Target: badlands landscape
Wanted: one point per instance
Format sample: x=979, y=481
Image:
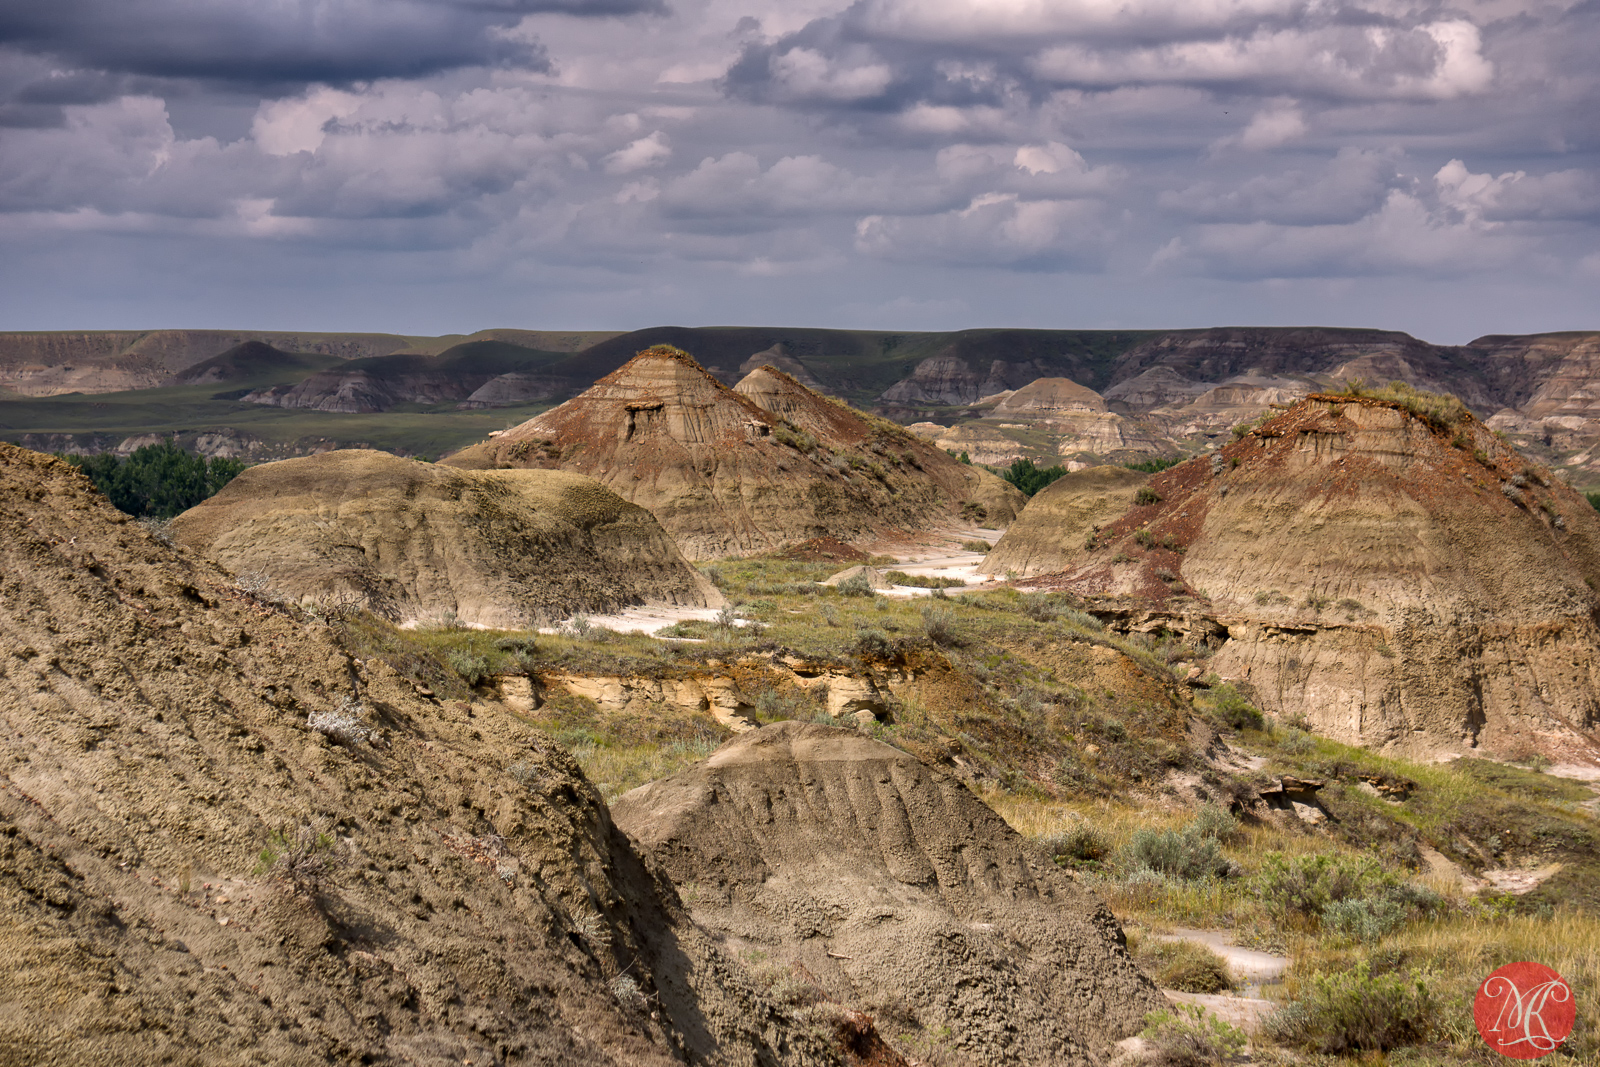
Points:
x=712, y=696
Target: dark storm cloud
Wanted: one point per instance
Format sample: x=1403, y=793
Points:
x=888, y=55
x=284, y=43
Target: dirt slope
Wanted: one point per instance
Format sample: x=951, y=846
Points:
x=723, y=475
x=888, y=884
x=409, y=539
x=1059, y=518
x=841, y=426
x=1401, y=585
x=154, y=734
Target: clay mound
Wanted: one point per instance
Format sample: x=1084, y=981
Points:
x=780, y=394
x=476, y=902
x=823, y=550
x=991, y=499
x=1052, y=529
x=1050, y=398
x=723, y=475
x=407, y=539
x=891, y=887
x=1403, y=579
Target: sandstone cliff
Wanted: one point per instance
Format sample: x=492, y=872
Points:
x=887, y=880
x=724, y=475
x=1402, y=583
x=193, y=872
x=411, y=540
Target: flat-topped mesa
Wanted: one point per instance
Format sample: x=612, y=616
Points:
x=1383, y=565
x=412, y=540
x=724, y=475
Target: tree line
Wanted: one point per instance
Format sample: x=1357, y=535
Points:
x=157, y=481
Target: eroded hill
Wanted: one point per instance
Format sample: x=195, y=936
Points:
x=202, y=867
x=724, y=475
x=409, y=540
x=890, y=882
x=1384, y=567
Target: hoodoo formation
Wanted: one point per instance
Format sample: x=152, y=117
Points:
x=194, y=871
x=724, y=475
x=409, y=540
x=889, y=880
x=1384, y=566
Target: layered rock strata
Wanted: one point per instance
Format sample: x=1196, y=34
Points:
x=725, y=475
x=1403, y=582
x=414, y=540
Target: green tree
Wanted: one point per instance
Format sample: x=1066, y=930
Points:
x=1030, y=479
x=158, y=481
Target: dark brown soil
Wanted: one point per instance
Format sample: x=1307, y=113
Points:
x=823, y=550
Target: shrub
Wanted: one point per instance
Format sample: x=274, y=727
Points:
x=1230, y=706
x=977, y=546
x=1154, y=466
x=1143, y=538
x=1082, y=843
x=786, y=433
x=939, y=624
x=871, y=643
x=1186, y=966
x=855, y=585
x=1306, y=885
x=1214, y=822
x=158, y=480
x=305, y=857
x=472, y=667
x=342, y=727
x=1296, y=742
x=1189, y=1036
x=1511, y=493
x=1365, y=918
x=1146, y=496
x=1185, y=855
x=1354, y=1011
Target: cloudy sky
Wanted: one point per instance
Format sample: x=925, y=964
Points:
x=431, y=166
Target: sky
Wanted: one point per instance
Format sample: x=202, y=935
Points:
x=444, y=166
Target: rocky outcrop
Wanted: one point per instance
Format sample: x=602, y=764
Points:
x=413, y=540
x=894, y=889
x=197, y=857
x=1402, y=583
x=1061, y=518
x=724, y=475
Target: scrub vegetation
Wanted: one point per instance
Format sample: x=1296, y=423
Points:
x=1085, y=741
